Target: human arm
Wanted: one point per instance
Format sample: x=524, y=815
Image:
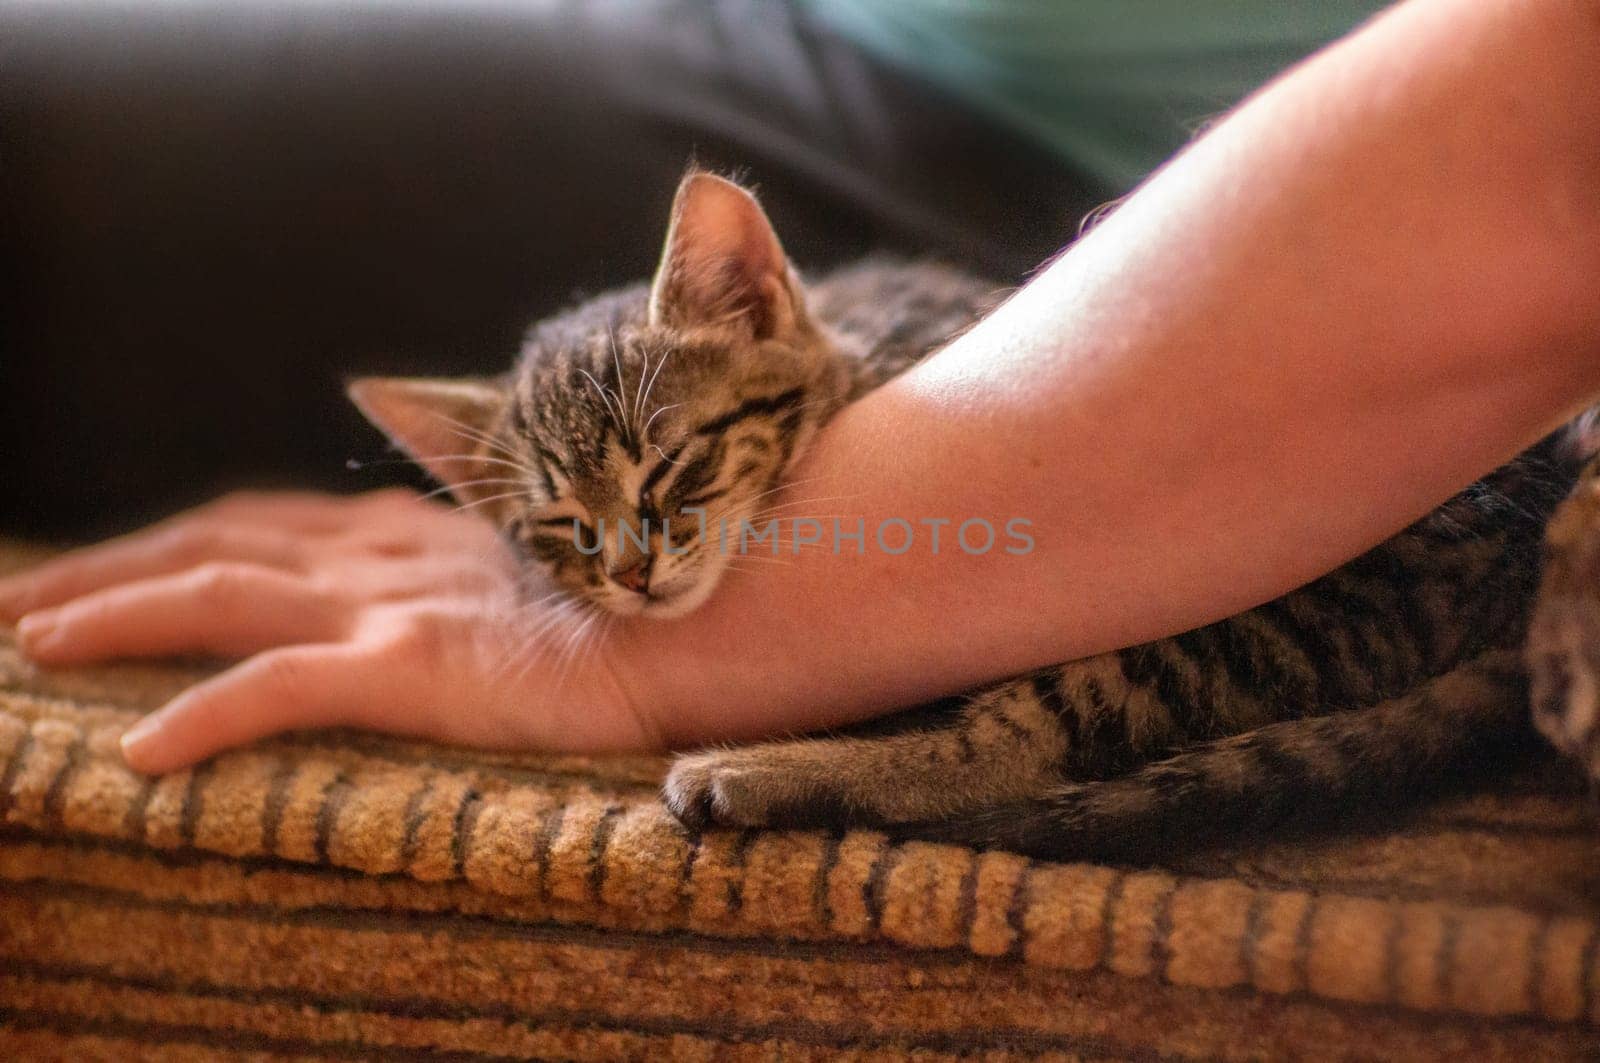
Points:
x=1367, y=286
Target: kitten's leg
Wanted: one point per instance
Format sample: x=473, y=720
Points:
x=1563, y=653
x=1004, y=744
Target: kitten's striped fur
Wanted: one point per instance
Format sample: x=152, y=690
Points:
x=1365, y=684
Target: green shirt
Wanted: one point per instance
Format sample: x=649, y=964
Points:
x=1113, y=87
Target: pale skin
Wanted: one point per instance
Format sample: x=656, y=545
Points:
x=1369, y=285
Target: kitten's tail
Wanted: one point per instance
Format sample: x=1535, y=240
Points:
x=1293, y=773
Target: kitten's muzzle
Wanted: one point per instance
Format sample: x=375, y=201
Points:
x=633, y=574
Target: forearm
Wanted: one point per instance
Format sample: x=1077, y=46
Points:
x=1366, y=287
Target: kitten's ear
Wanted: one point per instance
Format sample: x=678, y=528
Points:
x=435, y=421
x=723, y=265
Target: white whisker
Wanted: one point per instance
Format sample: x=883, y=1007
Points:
x=476, y=435
x=518, y=466
x=638, y=388
x=803, y=502
x=447, y=488
x=613, y=412
x=664, y=457
x=473, y=435
x=485, y=501
x=621, y=391
x=651, y=386
x=659, y=411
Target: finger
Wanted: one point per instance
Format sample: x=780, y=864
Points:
x=305, y=511
x=157, y=551
x=280, y=690
x=264, y=527
x=223, y=609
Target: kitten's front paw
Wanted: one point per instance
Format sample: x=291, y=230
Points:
x=753, y=787
x=690, y=791
x=1565, y=688
x=832, y=783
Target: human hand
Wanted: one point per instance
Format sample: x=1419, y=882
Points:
x=379, y=611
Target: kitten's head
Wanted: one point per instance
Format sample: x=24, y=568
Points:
x=659, y=415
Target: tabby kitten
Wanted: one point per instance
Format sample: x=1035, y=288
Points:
x=650, y=412
x=652, y=408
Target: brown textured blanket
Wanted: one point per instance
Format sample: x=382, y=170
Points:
x=337, y=896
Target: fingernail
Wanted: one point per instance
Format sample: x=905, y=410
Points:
x=37, y=631
x=137, y=738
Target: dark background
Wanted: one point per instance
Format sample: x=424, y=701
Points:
x=210, y=216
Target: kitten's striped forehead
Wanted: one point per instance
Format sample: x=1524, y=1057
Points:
x=630, y=393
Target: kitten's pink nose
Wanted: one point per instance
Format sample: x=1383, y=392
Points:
x=634, y=575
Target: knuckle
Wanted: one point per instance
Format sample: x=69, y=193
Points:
x=391, y=496
x=282, y=675
x=206, y=715
x=83, y=616
x=192, y=541
x=292, y=556
x=222, y=585
x=426, y=636
x=423, y=636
